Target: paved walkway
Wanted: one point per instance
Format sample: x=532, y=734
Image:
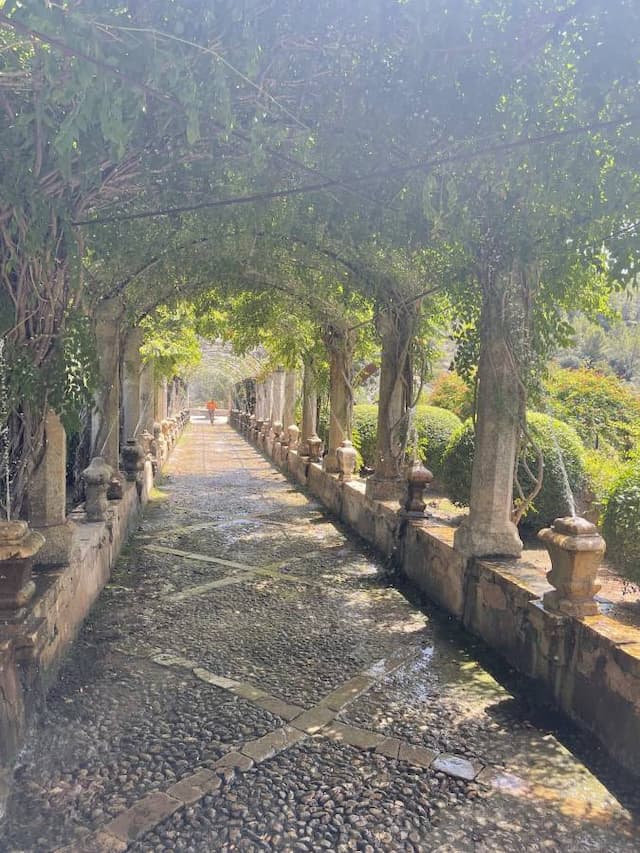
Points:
x=251, y=680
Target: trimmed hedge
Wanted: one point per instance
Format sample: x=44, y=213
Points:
x=434, y=427
x=562, y=450
x=621, y=524
x=451, y=392
x=365, y=430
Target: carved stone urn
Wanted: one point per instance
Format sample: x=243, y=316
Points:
x=418, y=478
x=314, y=443
x=97, y=479
x=576, y=550
x=294, y=436
x=18, y=547
x=132, y=458
x=347, y=459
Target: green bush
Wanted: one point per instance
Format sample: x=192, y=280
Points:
x=562, y=450
x=601, y=408
x=434, y=427
x=451, y=392
x=365, y=430
x=621, y=524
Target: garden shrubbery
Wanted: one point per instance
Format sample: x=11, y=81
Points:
x=365, y=430
x=562, y=450
x=451, y=392
x=434, y=427
x=621, y=523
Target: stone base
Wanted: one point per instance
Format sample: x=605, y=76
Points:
x=58, y=541
x=472, y=539
x=579, y=608
x=385, y=489
x=330, y=463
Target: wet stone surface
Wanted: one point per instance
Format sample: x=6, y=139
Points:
x=306, y=614
x=115, y=729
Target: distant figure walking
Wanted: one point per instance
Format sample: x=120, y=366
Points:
x=211, y=408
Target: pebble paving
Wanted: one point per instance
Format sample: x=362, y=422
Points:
x=253, y=678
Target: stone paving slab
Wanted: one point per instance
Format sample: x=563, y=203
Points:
x=268, y=745
x=142, y=817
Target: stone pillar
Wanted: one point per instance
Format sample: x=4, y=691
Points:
x=131, y=369
x=146, y=398
x=289, y=403
x=277, y=401
x=48, y=497
x=268, y=397
x=488, y=529
x=309, y=404
x=340, y=346
x=396, y=386
x=160, y=405
x=105, y=420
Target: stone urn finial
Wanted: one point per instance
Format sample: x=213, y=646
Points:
x=294, y=435
x=314, y=443
x=132, y=458
x=576, y=550
x=97, y=479
x=418, y=478
x=347, y=458
x=277, y=429
x=18, y=547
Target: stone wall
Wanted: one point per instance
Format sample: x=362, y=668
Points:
x=32, y=650
x=590, y=666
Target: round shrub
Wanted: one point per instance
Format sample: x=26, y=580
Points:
x=621, y=524
x=451, y=392
x=434, y=427
x=365, y=430
x=562, y=450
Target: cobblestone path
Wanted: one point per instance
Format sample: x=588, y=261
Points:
x=252, y=680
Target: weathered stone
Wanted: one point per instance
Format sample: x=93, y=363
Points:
x=457, y=766
x=418, y=755
x=347, y=692
x=281, y=709
x=390, y=747
x=18, y=547
x=192, y=788
x=232, y=762
x=248, y=691
x=360, y=738
x=96, y=842
x=216, y=680
x=143, y=816
x=97, y=477
x=272, y=743
x=313, y=720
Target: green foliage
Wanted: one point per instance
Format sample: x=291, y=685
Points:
x=434, y=427
x=170, y=341
x=451, y=392
x=562, y=450
x=621, y=523
x=365, y=429
x=602, y=469
x=76, y=362
x=601, y=408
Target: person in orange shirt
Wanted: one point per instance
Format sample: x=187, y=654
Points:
x=211, y=408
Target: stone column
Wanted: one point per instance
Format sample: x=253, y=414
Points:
x=277, y=401
x=160, y=405
x=289, y=403
x=268, y=397
x=309, y=403
x=105, y=420
x=396, y=331
x=146, y=397
x=48, y=497
x=488, y=529
x=340, y=346
x=131, y=369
